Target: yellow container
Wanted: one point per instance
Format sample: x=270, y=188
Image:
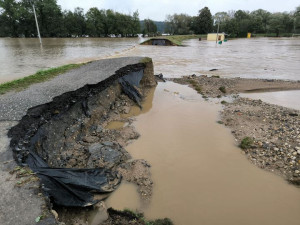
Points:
x=249, y=35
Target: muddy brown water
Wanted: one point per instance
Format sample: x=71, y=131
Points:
x=272, y=58
x=289, y=99
x=20, y=57
x=200, y=175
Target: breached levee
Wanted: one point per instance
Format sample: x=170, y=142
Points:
x=63, y=141
x=159, y=41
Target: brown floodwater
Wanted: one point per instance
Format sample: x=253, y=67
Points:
x=24, y=56
x=272, y=58
x=200, y=175
x=289, y=99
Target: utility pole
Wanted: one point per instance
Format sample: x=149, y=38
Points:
x=37, y=24
x=217, y=32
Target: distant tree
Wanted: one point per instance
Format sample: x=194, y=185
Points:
x=297, y=20
x=50, y=18
x=149, y=27
x=263, y=16
x=204, y=21
x=281, y=23
x=74, y=23
x=95, y=22
x=179, y=24
x=9, y=18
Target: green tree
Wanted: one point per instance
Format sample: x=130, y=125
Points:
x=9, y=18
x=297, y=20
x=281, y=23
x=149, y=28
x=204, y=21
x=179, y=24
x=50, y=18
x=95, y=22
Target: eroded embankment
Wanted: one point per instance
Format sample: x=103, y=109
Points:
x=159, y=41
x=70, y=132
x=269, y=134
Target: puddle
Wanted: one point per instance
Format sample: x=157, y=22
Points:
x=118, y=200
x=115, y=125
x=289, y=99
x=200, y=176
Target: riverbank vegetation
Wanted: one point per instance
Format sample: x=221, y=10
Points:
x=236, y=23
x=38, y=77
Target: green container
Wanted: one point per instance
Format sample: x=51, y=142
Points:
x=220, y=42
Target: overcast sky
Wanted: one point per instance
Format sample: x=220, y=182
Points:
x=158, y=9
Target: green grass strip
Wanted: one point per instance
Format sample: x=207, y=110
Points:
x=178, y=39
x=40, y=76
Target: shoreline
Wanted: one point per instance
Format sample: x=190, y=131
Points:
x=268, y=134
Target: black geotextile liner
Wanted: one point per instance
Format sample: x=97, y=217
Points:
x=129, y=84
x=73, y=187
x=67, y=186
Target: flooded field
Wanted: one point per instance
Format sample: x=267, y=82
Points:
x=200, y=175
x=255, y=58
x=21, y=57
x=247, y=58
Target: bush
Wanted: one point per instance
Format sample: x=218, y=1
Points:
x=246, y=143
x=222, y=89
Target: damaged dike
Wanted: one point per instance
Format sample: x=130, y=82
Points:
x=65, y=142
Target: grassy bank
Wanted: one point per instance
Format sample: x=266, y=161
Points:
x=38, y=77
x=178, y=39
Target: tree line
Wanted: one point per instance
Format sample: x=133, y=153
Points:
x=235, y=23
x=17, y=20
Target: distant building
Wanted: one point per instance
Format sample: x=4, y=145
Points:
x=213, y=37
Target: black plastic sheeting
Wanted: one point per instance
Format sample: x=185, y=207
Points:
x=70, y=187
x=130, y=83
x=73, y=187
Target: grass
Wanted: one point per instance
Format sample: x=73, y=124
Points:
x=222, y=89
x=140, y=216
x=178, y=39
x=196, y=86
x=246, y=143
x=40, y=76
x=146, y=60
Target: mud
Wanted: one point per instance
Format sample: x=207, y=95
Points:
x=210, y=86
x=273, y=130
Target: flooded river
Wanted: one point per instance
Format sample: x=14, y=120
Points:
x=21, y=57
x=200, y=175
x=256, y=58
